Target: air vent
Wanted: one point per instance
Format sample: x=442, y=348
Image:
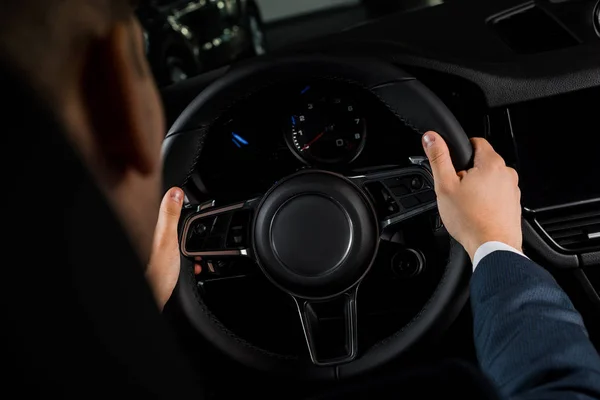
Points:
x=573, y=228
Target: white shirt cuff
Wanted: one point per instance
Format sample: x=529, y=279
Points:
x=490, y=247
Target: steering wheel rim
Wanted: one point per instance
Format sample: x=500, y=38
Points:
x=412, y=103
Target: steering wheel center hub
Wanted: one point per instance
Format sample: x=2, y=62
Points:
x=311, y=235
x=315, y=234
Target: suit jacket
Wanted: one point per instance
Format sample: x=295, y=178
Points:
x=530, y=340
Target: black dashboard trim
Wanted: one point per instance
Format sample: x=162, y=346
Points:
x=534, y=242
x=588, y=288
x=583, y=258
x=590, y=259
x=503, y=84
x=566, y=205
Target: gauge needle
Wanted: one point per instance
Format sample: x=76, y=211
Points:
x=307, y=145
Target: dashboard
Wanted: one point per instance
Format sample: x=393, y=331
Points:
x=278, y=130
x=535, y=105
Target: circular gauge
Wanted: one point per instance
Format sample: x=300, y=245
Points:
x=597, y=18
x=325, y=129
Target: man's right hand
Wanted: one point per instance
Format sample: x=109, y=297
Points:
x=480, y=205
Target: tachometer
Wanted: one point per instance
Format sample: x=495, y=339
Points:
x=325, y=128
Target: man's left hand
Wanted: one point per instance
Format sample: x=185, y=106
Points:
x=163, y=269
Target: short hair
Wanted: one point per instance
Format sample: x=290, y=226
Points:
x=42, y=38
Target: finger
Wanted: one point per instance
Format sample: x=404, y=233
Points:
x=168, y=215
x=197, y=269
x=514, y=174
x=439, y=158
x=485, y=155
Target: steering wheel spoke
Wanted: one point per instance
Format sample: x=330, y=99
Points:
x=330, y=328
x=219, y=232
x=399, y=194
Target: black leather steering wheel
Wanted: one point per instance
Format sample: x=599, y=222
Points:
x=331, y=214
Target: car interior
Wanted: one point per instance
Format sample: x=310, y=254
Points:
x=310, y=205
x=309, y=200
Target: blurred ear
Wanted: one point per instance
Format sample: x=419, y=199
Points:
x=122, y=104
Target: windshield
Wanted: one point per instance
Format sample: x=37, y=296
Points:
x=186, y=38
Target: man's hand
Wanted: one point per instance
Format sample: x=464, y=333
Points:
x=163, y=269
x=480, y=205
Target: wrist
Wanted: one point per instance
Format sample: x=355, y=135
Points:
x=472, y=247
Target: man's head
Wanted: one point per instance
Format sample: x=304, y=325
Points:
x=86, y=59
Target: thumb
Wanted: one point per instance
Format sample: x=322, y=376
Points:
x=163, y=269
x=168, y=216
x=439, y=158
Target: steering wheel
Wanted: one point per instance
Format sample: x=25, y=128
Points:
x=332, y=215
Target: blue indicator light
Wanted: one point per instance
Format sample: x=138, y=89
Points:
x=236, y=143
x=306, y=89
x=239, y=139
x=293, y=120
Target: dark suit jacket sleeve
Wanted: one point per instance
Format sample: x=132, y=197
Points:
x=530, y=340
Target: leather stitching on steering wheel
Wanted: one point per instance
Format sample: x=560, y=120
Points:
x=402, y=119
x=202, y=134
